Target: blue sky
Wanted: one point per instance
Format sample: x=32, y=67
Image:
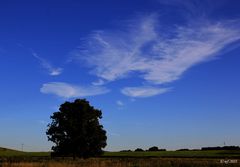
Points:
x=164, y=73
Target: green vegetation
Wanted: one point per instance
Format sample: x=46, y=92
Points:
x=9, y=152
x=13, y=158
x=4, y=152
x=178, y=154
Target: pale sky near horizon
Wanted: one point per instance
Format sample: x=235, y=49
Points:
x=164, y=72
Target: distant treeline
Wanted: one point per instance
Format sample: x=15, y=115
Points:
x=155, y=148
x=212, y=148
x=222, y=148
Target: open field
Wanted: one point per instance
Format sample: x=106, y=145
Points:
x=126, y=162
x=179, y=154
x=8, y=153
x=13, y=158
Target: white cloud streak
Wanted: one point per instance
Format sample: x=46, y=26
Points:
x=66, y=90
x=143, y=91
x=98, y=82
x=119, y=103
x=158, y=56
x=45, y=64
x=114, y=134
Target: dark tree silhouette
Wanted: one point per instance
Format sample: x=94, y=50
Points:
x=139, y=150
x=76, y=131
x=154, y=148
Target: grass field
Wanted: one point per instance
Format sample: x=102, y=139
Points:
x=181, y=154
x=13, y=158
x=4, y=152
x=124, y=162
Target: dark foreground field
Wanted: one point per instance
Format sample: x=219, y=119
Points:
x=125, y=162
x=12, y=158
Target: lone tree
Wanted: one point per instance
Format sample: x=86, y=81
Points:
x=76, y=131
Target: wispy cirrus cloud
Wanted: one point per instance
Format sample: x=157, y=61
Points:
x=143, y=91
x=98, y=82
x=157, y=55
x=192, y=9
x=66, y=90
x=119, y=103
x=46, y=65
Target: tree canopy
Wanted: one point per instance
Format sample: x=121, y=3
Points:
x=76, y=131
x=139, y=150
x=154, y=148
